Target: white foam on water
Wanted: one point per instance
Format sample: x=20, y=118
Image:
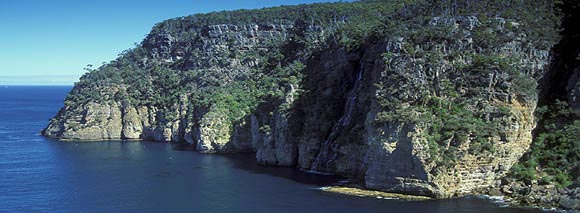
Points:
x=387, y=198
x=316, y=172
x=498, y=200
x=493, y=198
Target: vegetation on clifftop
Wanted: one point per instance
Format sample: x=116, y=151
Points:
x=349, y=24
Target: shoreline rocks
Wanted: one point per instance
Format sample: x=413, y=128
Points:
x=370, y=193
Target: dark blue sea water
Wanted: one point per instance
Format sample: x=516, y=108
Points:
x=38, y=174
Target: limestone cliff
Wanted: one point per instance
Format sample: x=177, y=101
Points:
x=402, y=97
x=549, y=172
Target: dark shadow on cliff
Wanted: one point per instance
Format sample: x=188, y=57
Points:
x=555, y=85
x=565, y=57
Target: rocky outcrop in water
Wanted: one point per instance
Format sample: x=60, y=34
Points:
x=438, y=107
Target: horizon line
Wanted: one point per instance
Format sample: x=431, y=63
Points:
x=38, y=80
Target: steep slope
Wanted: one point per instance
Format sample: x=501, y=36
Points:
x=425, y=97
x=549, y=172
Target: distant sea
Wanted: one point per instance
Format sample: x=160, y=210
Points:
x=39, y=174
x=38, y=79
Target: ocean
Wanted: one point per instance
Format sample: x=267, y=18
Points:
x=40, y=174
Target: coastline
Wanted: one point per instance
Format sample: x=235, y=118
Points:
x=558, y=202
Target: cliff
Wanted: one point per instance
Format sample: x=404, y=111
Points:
x=549, y=172
x=425, y=98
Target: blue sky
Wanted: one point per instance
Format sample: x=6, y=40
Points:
x=51, y=41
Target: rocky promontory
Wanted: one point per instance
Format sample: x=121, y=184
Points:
x=402, y=96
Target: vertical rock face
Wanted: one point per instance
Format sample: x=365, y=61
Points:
x=219, y=135
x=402, y=157
x=330, y=79
x=436, y=109
x=271, y=134
x=354, y=130
x=399, y=162
x=133, y=122
x=93, y=122
x=574, y=89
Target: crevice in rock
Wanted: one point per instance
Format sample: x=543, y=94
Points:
x=554, y=85
x=326, y=155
